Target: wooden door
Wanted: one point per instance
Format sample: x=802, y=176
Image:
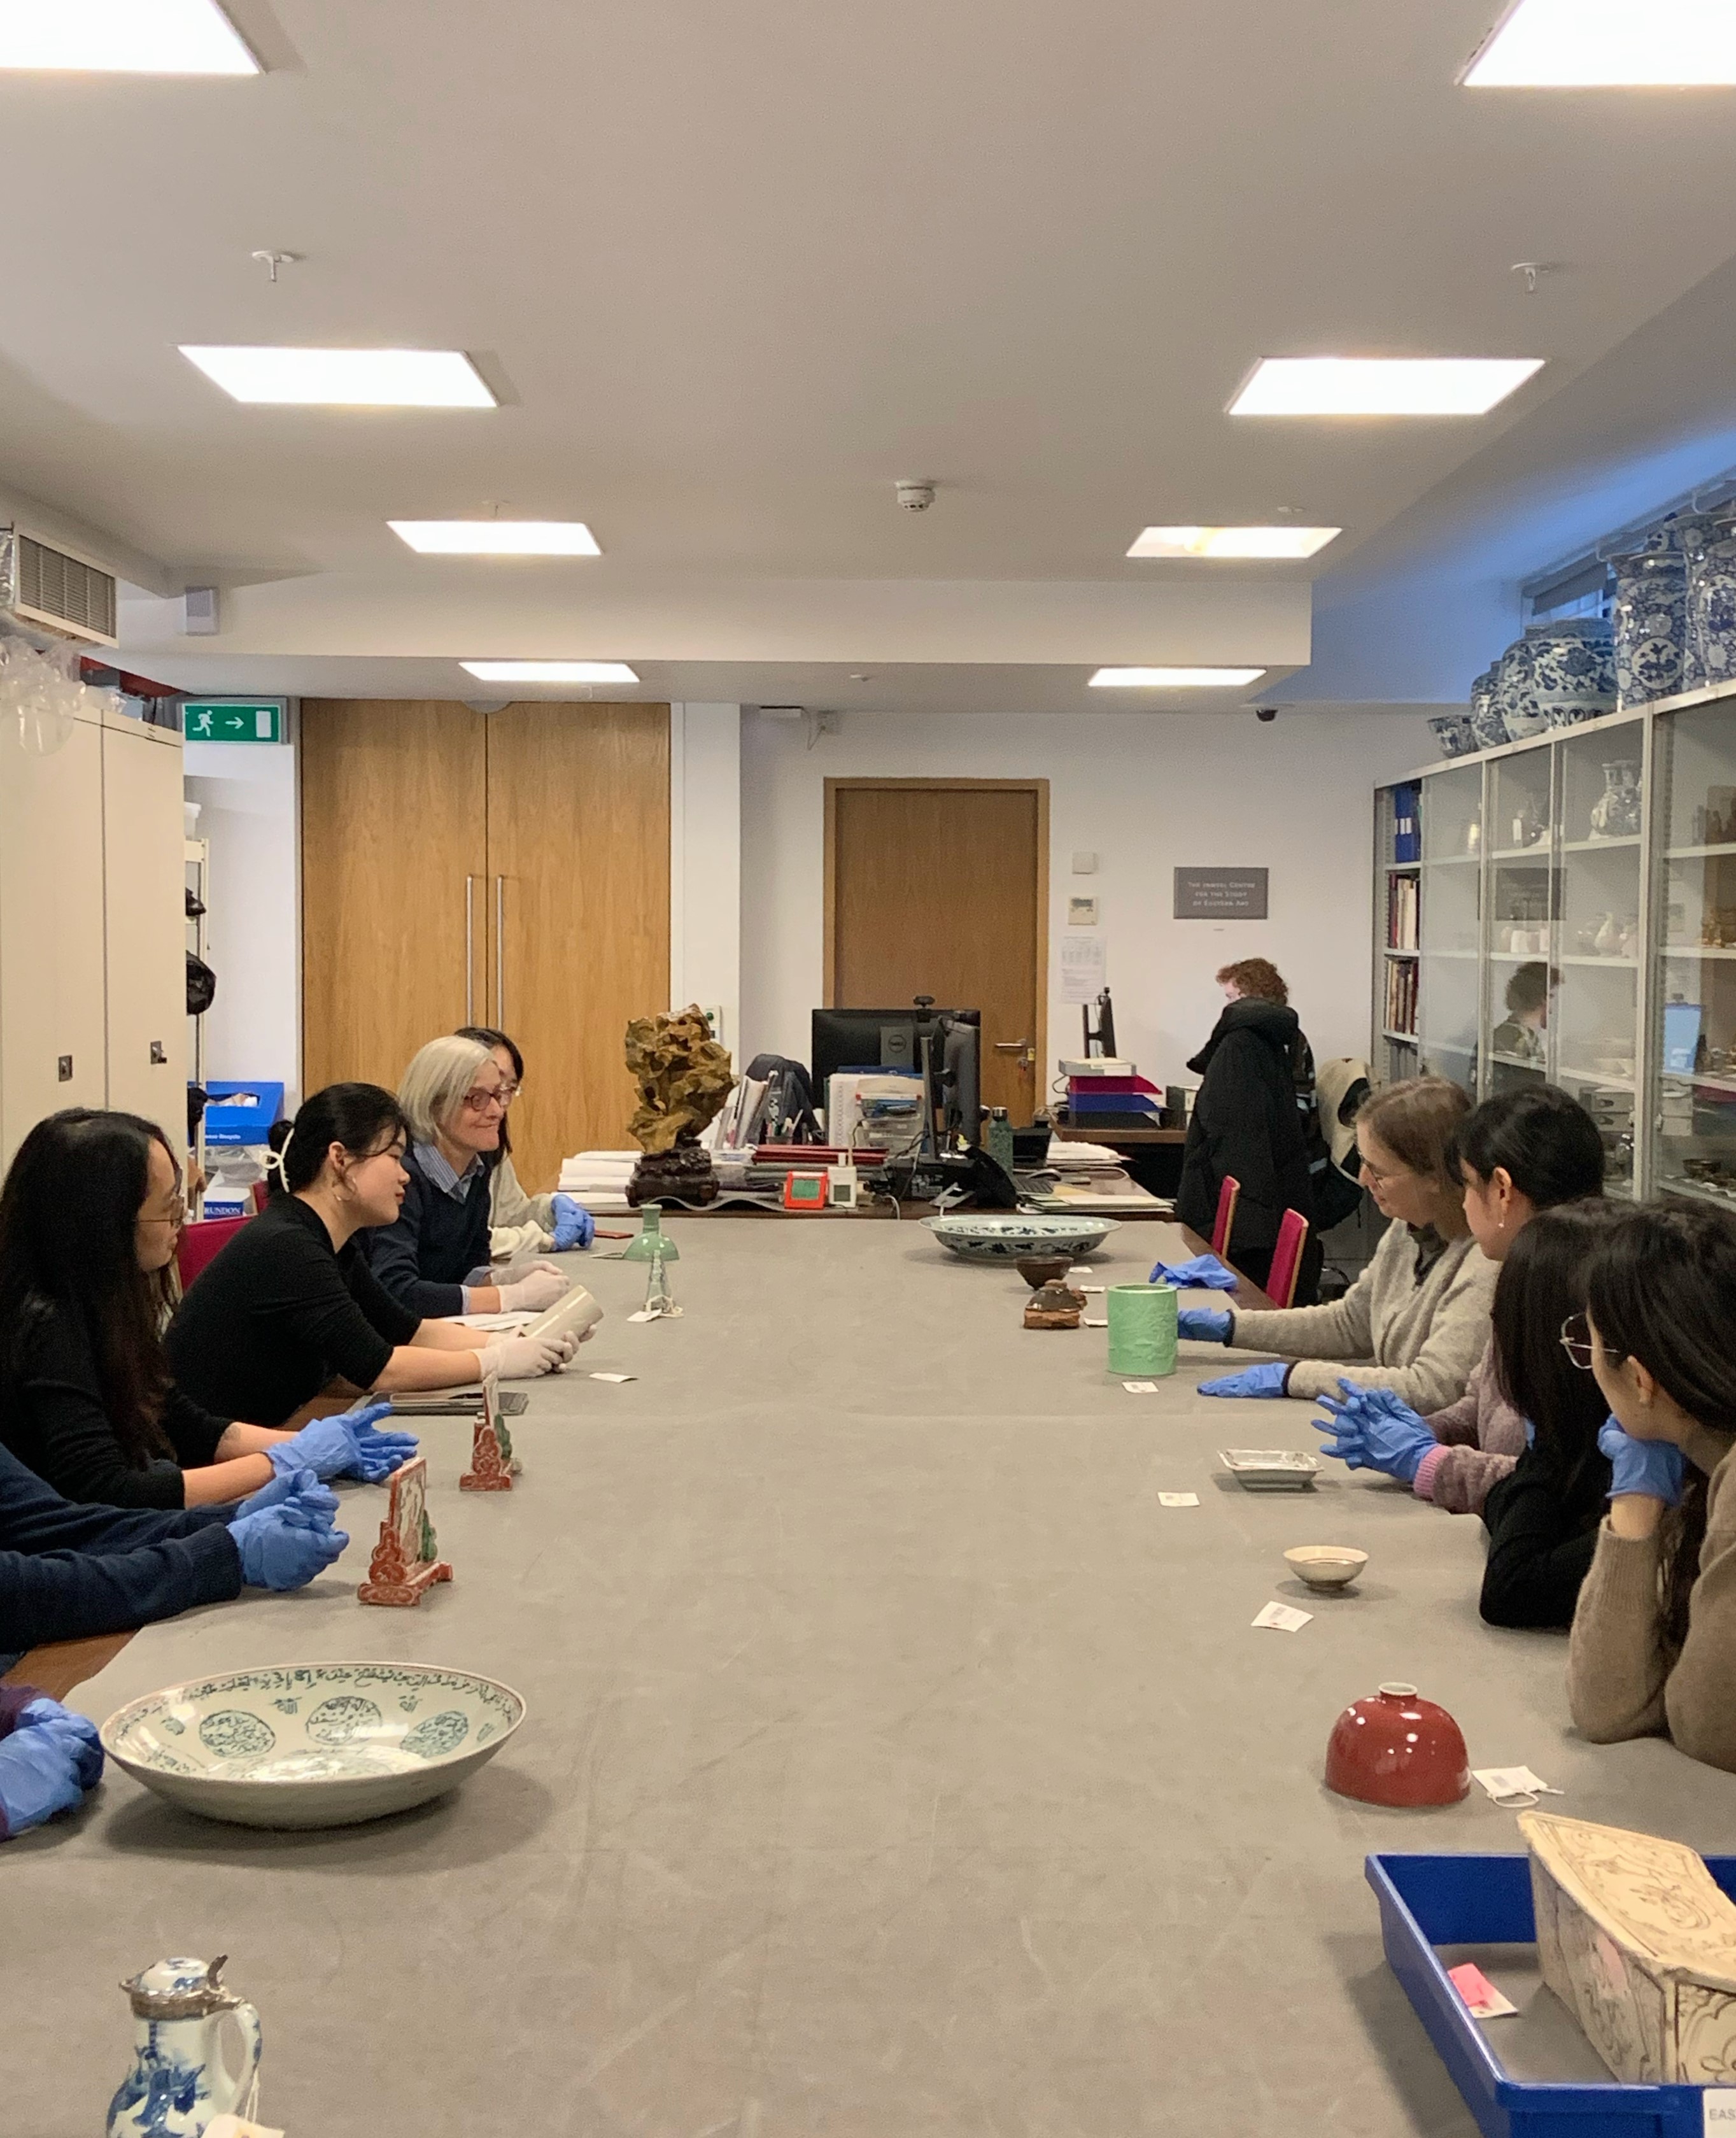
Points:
x=578, y=913
x=394, y=799
x=941, y=887
x=145, y=906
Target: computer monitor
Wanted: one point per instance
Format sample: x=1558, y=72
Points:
x=1682, y=1023
x=870, y=1039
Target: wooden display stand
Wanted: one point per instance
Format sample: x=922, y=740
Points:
x=493, y=1464
x=403, y=1564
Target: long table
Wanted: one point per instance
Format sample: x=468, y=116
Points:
x=893, y=1761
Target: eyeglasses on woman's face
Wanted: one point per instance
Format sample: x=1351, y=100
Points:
x=175, y=1215
x=1576, y=1340
x=483, y=1102
x=1377, y=1178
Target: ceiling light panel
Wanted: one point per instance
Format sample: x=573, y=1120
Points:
x=549, y=672
x=1173, y=679
x=122, y=37
x=1381, y=385
x=497, y=537
x=1232, y=541
x=1609, y=44
x=346, y=377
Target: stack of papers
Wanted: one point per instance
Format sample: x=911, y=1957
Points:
x=1083, y=1158
x=599, y=1178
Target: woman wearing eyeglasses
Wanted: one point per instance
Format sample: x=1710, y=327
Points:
x=435, y=1258
x=521, y=1224
x=90, y=1216
x=1653, y=1649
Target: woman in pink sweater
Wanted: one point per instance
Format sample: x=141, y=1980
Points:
x=1518, y=1153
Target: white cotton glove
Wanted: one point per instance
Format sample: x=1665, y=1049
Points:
x=523, y=1260
x=524, y=1358
x=533, y=1293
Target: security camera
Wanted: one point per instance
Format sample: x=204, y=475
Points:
x=915, y=496
x=1265, y=712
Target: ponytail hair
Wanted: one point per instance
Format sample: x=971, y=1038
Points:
x=362, y=1118
x=1545, y=1141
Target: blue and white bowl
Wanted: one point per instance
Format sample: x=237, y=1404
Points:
x=1454, y=734
x=313, y=1745
x=1003, y=1236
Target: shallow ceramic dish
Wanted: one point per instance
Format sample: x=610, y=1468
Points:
x=1006, y=1236
x=313, y=1745
x=1271, y=1469
x=1326, y=1565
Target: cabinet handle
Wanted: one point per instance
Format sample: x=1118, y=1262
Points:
x=469, y=950
x=500, y=954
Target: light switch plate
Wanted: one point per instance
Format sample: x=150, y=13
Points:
x=1084, y=864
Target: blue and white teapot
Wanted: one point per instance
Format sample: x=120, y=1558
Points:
x=180, y=2083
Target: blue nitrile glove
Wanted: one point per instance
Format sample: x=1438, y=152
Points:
x=1376, y=1430
x=1205, y=1324
x=1203, y=1273
x=79, y=1731
x=1265, y=1380
x=574, y=1227
x=1654, y=1467
x=345, y=1445
x=45, y=1766
x=300, y=1488
x=286, y=1545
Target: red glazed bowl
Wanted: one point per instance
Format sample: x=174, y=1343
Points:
x=1397, y=1749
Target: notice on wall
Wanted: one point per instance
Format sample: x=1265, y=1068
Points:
x=1221, y=894
x=1084, y=964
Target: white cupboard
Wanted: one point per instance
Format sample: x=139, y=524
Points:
x=145, y=926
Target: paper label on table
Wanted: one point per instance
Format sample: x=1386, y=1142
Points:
x=1509, y=1785
x=646, y=1314
x=234, y=2126
x=1718, y=2111
x=1084, y=964
x=1178, y=1499
x=614, y=1377
x=1089, y=1287
x=1083, y=1269
x=1138, y=1388
x=1096, y=1321
x=1282, y=1618
x=1482, y=1999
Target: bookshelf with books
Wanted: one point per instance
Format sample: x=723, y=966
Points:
x=1392, y=1051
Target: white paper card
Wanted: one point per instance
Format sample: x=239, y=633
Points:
x=1718, y=2111
x=1083, y=1269
x=1506, y=1784
x=644, y=1314
x=1282, y=1619
x=1138, y=1388
x=1178, y=1499
x=1084, y=963
x=232, y=2126
x=1096, y=1321
x=614, y=1377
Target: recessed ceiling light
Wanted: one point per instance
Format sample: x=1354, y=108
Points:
x=549, y=672
x=1608, y=44
x=497, y=537
x=1232, y=541
x=1172, y=679
x=347, y=378
x=1381, y=385
x=122, y=37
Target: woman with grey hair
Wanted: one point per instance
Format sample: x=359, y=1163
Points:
x=434, y=1259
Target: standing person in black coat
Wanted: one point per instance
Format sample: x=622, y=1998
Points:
x=1247, y=1125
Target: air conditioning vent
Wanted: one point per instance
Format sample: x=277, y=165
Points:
x=46, y=586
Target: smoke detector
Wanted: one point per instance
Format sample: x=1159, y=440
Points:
x=915, y=496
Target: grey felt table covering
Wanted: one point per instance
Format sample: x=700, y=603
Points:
x=893, y=1763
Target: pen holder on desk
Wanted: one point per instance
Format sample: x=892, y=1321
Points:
x=1142, y=1329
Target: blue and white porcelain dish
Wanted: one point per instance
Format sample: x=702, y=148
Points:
x=1002, y=1236
x=1454, y=734
x=310, y=1744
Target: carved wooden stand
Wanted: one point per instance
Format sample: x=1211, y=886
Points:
x=399, y=1572
x=491, y=1466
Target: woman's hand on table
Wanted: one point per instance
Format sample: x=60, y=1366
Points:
x=48, y=1762
x=1266, y=1379
x=286, y=1534
x=348, y=1445
x=1374, y=1429
x=526, y=1358
x=1204, y=1325
x=542, y=1287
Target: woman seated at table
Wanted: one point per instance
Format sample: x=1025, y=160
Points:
x=521, y=1225
x=1521, y=1152
x=90, y=1216
x=68, y=1572
x=433, y=1257
x=1653, y=1648
x=290, y=1304
x=1417, y=1320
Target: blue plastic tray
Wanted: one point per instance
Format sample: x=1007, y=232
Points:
x=1427, y=1901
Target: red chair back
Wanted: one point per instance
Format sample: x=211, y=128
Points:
x=1287, y=1258
x=1224, y=1223
x=200, y=1242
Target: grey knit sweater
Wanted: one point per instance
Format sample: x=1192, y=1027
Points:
x=1421, y=1340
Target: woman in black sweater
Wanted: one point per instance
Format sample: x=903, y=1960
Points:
x=1542, y=1518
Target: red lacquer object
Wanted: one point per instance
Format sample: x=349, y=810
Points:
x=1397, y=1749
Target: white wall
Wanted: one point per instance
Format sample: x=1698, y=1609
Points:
x=1145, y=794
x=704, y=862
x=247, y=793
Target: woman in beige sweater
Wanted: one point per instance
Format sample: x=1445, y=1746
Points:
x=1653, y=1647
x=1417, y=1320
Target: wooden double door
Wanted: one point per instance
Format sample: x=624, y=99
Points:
x=509, y=869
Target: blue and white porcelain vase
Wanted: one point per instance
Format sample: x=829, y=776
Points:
x=1515, y=694
x=1652, y=626
x=179, y=2083
x=1711, y=616
x=1486, y=724
x=1695, y=533
x=1573, y=669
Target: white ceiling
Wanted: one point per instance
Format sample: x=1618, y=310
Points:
x=735, y=269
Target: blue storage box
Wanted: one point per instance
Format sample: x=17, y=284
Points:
x=240, y=1112
x=1429, y=1901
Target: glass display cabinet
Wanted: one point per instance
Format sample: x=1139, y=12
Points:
x=1449, y=937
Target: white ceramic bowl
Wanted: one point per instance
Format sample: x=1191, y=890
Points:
x=313, y=1743
x=1326, y=1565
x=1004, y=1236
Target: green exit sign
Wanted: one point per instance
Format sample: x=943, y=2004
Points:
x=234, y=719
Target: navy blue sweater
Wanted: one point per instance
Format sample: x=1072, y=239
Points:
x=438, y=1239
x=67, y=1571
